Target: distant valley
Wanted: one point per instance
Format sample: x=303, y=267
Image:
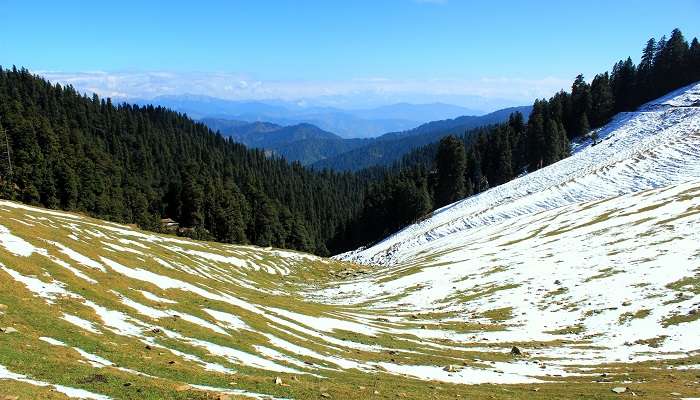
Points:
x=311, y=145
x=346, y=123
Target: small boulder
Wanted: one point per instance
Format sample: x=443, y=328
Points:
x=557, y=282
x=278, y=380
x=619, y=390
x=325, y=395
x=9, y=329
x=450, y=368
x=515, y=351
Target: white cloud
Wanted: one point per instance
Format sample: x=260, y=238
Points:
x=372, y=90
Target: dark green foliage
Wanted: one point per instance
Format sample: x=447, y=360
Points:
x=450, y=163
x=391, y=147
x=136, y=164
x=139, y=164
x=602, y=101
x=496, y=154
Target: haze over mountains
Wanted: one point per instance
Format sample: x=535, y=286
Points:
x=345, y=122
x=314, y=146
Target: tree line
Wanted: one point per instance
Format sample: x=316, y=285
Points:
x=460, y=166
x=139, y=164
x=136, y=164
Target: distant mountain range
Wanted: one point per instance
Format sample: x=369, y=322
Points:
x=346, y=123
x=314, y=146
x=391, y=147
x=303, y=142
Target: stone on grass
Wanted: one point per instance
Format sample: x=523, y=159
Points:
x=450, y=368
x=619, y=389
x=515, y=351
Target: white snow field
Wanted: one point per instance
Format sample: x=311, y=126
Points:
x=590, y=266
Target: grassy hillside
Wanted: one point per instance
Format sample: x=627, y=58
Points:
x=99, y=310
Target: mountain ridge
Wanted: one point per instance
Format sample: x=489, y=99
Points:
x=346, y=122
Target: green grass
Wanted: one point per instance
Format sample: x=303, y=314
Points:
x=22, y=352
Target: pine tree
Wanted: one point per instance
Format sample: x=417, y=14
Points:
x=536, y=136
x=693, y=63
x=450, y=162
x=584, y=126
x=553, y=146
x=601, y=100
x=622, y=82
x=675, y=57
x=645, y=72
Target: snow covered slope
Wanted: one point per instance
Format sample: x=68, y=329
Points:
x=659, y=145
x=567, y=282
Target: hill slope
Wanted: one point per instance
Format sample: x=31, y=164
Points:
x=303, y=142
x=596, y=288
x=653, y=147
x=390, y=147
x=348, y=123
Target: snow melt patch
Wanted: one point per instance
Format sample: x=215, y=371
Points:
x=68, y=391
x=156, y=298
x=49, y=291
x=15, y=244
x=81, y=323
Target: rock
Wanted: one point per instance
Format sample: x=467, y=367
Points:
x=8, y=397
x=278, y=380
x=376, y=392
x=450, y=368
x=557, y=282
x=148, y=347
x=619, y=390
x=325, y=395
x=183, y=388
x=675, y=394
x=626, y=304
x=515, y=351
x=9, y=329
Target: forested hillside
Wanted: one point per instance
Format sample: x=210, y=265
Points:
x=140, y=164
x=391, y=147
x=439, y=174
x=305, y=143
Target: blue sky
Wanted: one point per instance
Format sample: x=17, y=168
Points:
x=332, y=47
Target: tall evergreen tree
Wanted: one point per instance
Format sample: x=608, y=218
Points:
x=602, y=101
x=450, y=162
x=645, y=72
x=622, y=83
x=693, y=63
